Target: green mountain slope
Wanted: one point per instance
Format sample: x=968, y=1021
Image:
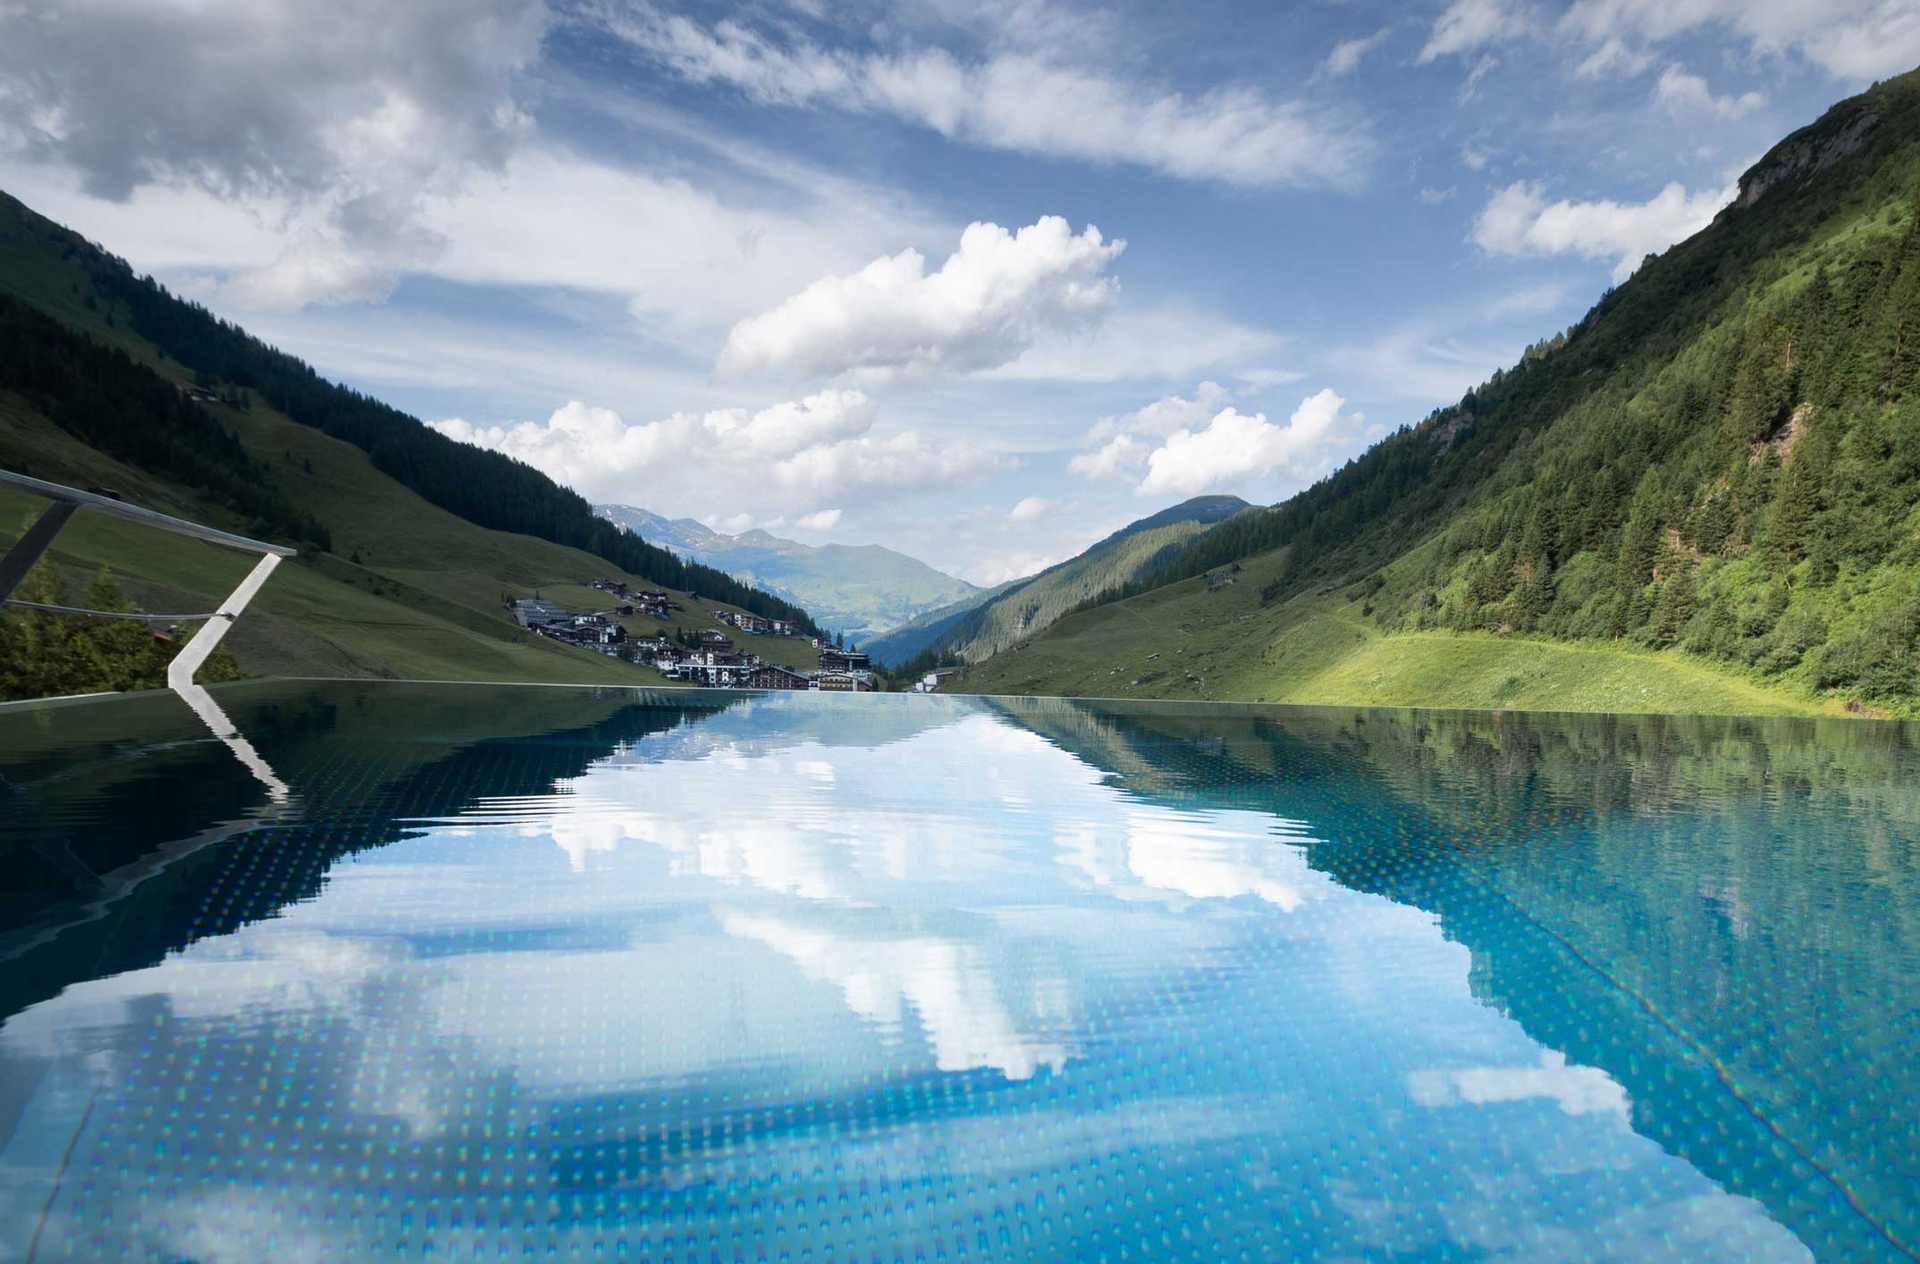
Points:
x=408, y=589
x=483, y=487
x=969, y=633
x=1717, y=471
x=921, y=633
x=859, y=590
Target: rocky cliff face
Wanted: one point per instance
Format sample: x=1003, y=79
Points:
x=1807, y=153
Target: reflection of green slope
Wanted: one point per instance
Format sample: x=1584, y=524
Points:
x=1723, y=915
x=101, y=796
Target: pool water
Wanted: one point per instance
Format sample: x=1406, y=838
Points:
x=577, y=974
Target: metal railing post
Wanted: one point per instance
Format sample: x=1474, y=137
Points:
x=29, y=548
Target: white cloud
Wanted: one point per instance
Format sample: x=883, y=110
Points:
x=1431, y=196
x=819, y=520
x=1475, y=159
x=1854, y=40
x=1032, y=102
x=1165, y=415
x=1468, y=25
x=798, y=454
x=1235, y=447
x=1347, y=54
x=1613, y=59
x=1032, y=507
x=1518, y=220
x=1682, y=94
x=1122, y=450
x=339, y=122
x=1117, y=457
x=687, y=261
x=904, y=462
x=1005, y=564
x=985, y=306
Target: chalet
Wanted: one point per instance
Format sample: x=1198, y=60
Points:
x=597, y=629
x=774, y=676
x=710, y=639
x=712, y=668
x=848, y=662
x=781, y=627
x=840, y=682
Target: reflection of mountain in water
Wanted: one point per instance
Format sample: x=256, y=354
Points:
x=129, y=833
x=1722, y=914
x=1064, y=962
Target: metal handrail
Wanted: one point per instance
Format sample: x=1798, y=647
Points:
x=110, y=614
x=66, y=501
x=134, y=513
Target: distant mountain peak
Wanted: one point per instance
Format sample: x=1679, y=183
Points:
x=861, y=590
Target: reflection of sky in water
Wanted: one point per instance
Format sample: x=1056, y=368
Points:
x=739, y=992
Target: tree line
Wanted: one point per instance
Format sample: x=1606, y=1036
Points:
x=1723, y=455
x=487, y=488
x=104, y=398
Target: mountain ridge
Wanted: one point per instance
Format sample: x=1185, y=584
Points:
x=859, y=590
x=1716, y=469
x=972, y=629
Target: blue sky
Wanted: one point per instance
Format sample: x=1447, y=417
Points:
x=978, y=281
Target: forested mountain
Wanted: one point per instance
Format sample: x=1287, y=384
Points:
x=486, y=488
x=856, y=590
x=1721, y=461
x=388, y=582
x=972, y=629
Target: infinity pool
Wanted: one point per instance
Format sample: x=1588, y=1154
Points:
x=492, y=973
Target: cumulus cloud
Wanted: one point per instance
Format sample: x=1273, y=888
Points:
x=798, y=454
x=1118, y=457
x=1518, y=220
x=819, y=520
x=1468, y=25
x=1164, y=415
x=1682, y=94
x=1125, y=439
x=983, y=308
x=1235, y=447
x=339, y=121
x=1031, y=101
x=1854, y=40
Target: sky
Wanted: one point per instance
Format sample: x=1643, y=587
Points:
x=978, y=281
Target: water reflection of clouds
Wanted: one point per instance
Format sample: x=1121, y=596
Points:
x=1576, y=1090
x=1153, y=853
x=1176, y=1002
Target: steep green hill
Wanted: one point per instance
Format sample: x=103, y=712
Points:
x=1716, y=470
x=859, y=590
x=971, y=632
x=388, y=583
